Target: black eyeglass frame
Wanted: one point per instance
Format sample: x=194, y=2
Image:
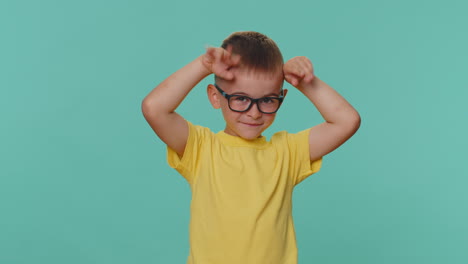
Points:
x=252, y=100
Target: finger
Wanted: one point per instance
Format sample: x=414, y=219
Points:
x=227, y=54
x=309, y=77
x=231, y=58
x=310, y=68
x=305, y=66
x=295, y=69
x=299, y=72
x=307, y=69
x=294, y=82
x=235, y=59
x=309, y=64
x=291, y=79
x=229, y=49
x=210, y=51
x=224, y=71
x=227, y=75
x=210, y=55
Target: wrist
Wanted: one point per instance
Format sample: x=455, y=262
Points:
x=309, y=85
x=203, y=67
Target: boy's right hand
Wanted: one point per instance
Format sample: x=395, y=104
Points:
x=220, y=62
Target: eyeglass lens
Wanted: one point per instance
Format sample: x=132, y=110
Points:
x=242, y=103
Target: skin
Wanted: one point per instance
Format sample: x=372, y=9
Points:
x=341, y=119
x=250, y=124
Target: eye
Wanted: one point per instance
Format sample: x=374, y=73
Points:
x=241, y=98
x=266, y=100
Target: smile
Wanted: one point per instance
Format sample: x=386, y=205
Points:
x=252, y=125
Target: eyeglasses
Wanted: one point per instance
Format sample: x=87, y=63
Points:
x=242, y=103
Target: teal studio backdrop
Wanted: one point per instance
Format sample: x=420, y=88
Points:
x=84, y=179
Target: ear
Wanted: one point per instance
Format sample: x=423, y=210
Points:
x=285, y=91
x=213, y=96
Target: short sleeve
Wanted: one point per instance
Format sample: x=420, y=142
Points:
x=186, y=165
x=300, y=156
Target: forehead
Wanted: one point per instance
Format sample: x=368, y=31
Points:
x=254, y=84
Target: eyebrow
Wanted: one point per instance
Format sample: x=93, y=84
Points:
x=267, y=95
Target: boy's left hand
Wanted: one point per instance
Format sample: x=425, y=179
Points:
x=298, y=71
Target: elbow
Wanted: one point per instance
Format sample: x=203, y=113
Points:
x=354, y=121
x=145, y=107
x=154, y=112
x=148, y=108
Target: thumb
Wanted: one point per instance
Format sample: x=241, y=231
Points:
x=224, y=73
x=291, y=79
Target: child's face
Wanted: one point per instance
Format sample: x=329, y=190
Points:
x=250, y=124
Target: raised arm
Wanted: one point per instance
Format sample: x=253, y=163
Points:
x=159, y=105
x=341, y=119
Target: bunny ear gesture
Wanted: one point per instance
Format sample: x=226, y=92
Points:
x=298, y=71
x=220, y=61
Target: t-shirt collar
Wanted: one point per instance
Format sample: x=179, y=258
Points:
x=241, y=142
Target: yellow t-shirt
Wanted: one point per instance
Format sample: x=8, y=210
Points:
x=241, y=208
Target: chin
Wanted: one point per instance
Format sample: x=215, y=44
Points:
x=250, y=136
x=247, y=133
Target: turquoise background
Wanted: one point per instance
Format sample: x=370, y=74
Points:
x=83, y=178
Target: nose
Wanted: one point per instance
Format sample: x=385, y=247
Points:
x=254, y=112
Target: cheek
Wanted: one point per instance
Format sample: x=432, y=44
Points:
x=225, y=109
x=269, y=118
x=228, y=114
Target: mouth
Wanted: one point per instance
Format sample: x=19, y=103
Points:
x=251, y=124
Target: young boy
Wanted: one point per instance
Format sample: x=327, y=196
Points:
x=241, y=211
